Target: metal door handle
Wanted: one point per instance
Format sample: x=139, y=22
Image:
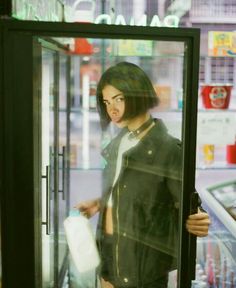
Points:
x=63, y=171
x=48, y=210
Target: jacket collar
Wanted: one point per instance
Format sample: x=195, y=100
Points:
x=149, y=143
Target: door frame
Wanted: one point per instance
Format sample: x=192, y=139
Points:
x=18, y=168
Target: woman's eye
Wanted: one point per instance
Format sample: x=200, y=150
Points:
x=119, y=99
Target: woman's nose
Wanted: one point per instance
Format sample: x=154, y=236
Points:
x=112, y=106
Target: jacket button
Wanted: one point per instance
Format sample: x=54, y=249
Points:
x=149, y=152
x=126, y=280
x=124, y=234
x=124, y=186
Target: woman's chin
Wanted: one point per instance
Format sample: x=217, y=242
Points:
x=119, y=124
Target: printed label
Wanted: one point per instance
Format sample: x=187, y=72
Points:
x=218, y=96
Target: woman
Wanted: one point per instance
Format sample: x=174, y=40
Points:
x=138, y=220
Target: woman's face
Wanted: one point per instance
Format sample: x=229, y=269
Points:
x=115, y=105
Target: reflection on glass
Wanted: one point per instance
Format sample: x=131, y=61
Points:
x=63, y=193
x=141, y=180
x=54, y=99
x=138, y=223
x=48, y=109
x=227, y=198
x=91, y=57
x=125, y=155
x=216, y=264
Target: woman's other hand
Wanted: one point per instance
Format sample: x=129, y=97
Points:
x=89, y=208
x=198, y=224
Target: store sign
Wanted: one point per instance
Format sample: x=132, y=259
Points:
x=77, y=13
x=168, y=21
x=53, y=10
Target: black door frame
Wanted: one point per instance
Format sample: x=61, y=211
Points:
x=6, y=8
x=18, y=166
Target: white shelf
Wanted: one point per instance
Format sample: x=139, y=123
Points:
x=217, y=165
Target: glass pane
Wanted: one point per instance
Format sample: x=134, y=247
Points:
x=48, y=146
x=139, y=180
x=215, y=264
x=142, y=239
x=91, y=58
x=82, y=188
x=62, y=197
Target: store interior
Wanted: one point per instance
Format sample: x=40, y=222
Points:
x=81, y=140
x=215, y=167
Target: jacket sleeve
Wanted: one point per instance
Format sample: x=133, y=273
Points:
x=174, y=181
x=175, y=171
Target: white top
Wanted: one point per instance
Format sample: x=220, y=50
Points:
x=124, y=146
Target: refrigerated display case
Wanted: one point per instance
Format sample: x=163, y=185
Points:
x=217, y=249
x=217, y=15
x=216, y=263
x=216, y=166
x=49, y=112
x=86, y=137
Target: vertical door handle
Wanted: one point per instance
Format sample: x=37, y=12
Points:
x=63, y=154
x=48, y=210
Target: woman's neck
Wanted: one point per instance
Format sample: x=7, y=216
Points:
x=136, y=122
x=140, y=126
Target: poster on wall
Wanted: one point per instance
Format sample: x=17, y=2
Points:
x=222, y=43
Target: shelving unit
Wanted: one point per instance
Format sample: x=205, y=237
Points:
x=217, y=69
x=215, y=11
x=216, y=15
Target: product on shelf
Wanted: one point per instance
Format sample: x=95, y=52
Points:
x=164, y=95
x=222, y=43
x=216, y=96
x=231, y=154
x=179, y=94
x=208, y=152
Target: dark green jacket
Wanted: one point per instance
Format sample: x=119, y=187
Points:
x=145, y=206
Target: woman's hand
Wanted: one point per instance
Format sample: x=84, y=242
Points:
x=89, y=208
x=198, y=224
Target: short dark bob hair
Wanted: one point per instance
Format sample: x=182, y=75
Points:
x=136, y=87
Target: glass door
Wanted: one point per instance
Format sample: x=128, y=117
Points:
x=169, y=58
x=54, y=150
x=158, y=59
x=49, y=173
x=64, y=140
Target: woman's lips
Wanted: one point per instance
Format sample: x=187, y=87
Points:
x=115, y=117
